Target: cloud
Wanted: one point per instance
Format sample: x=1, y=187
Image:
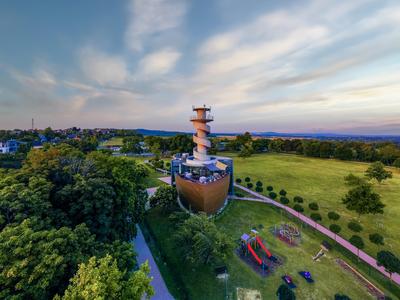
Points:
x=159, y=63
x=149, y=18
x=103, y=68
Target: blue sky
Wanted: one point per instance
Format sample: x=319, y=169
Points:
x=288, y=66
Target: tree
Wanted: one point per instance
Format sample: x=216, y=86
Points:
x=284, y=200
x=165, y=196
x=272, y=195
x=200, y=240
x=316, y=217
x=259, y=189
x=313, y=206
x=377, y=171
x=270, y=188
x=297, y=207
x=246, y=151
x=396, y=163
x=376, y=238
x=259, y=183
x=389, y=261
x=358, y=242
x=353, y=180
x=333, y=216
x=101, y=279
x=354, y=226
x=238, y=180
x=363, y=200
x=285, y=293
x=342, y=297
x=335, y=228
x=282, y=192
x=247, y=179
x=298, y=199
x=36, y=263
x=249, y=185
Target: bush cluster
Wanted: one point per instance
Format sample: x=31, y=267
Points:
x=298, y=199
x=297, y=207
x=284, y=200
x=313, y=206
x=333, y=216
x=316, y=217
x=273, y=195
x=354, y=226
x=376, y=238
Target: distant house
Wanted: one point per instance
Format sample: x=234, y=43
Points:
x=10, y=146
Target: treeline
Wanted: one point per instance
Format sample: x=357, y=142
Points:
x=386, y=152
x=66, y=221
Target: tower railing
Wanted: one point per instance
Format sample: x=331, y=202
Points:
x=208, y=118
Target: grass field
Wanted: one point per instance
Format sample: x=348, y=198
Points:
x=115, y=141
x=321, y=180
x=238, y=218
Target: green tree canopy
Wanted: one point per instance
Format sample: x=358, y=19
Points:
x=377, y=171
x=285, y=293
x=363, y=200
x=389, y=261
x=102, y=279
x=165, y=197
x=201, y=241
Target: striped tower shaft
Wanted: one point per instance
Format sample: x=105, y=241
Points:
x=202, y=130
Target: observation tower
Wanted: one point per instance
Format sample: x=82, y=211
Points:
x=203, y=182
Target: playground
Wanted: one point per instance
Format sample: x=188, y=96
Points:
x=238, y=219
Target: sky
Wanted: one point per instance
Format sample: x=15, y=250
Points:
x=286, y=66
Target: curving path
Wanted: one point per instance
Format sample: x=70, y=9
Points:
x=143, y=253
x=361, y=254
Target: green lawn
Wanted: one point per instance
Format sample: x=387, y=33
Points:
x=114, y=141
x=321, y=180
x=238, y=218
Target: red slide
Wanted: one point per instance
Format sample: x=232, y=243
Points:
x=254, y=254
x=263, y=247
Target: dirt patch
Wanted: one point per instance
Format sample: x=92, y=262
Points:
x=247, y=294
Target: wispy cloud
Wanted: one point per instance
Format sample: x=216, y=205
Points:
x=159, y=63
x=149, y=18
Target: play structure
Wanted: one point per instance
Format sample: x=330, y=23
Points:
x=249, y=244
x=307, y=276
x=325, y=247
x=289, y=281
x=288, y=232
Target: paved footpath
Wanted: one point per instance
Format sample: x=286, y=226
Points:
x=361, y=254
x=143, y=254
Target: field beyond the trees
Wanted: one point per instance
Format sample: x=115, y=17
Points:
x=322, y=181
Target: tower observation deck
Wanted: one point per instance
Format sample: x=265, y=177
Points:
x=200, y=121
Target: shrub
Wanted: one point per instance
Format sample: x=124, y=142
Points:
x=357, y=241
x=284, y=200
x=298, y=199
x=313, y=206
x=273, y=195
x=341, y=297
x=270, y=188
x=238, y=180
x=247, y=179
x=282, y=192
x=316, y=217
x=249, y=185
x=376, y=238
x=259, y=183
x=240, y=195
x=354, y=226
x=298, y=208
x=168, y=164
x=333, y=216
x=259, y=189
x=335, y=228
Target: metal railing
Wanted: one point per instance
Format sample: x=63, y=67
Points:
x=206, y=118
